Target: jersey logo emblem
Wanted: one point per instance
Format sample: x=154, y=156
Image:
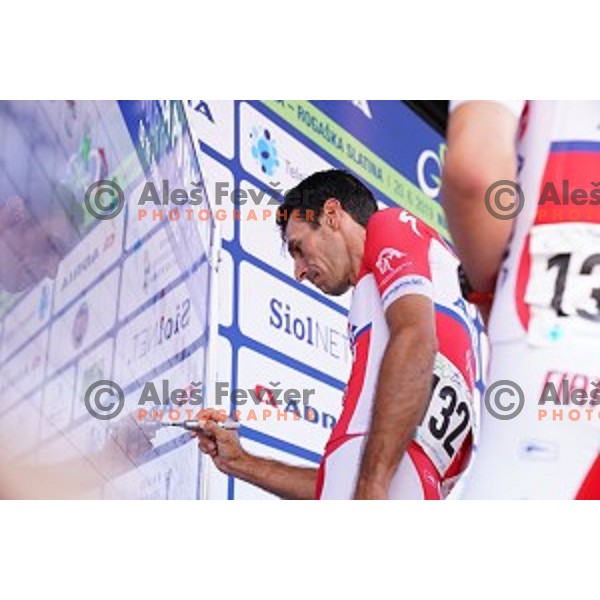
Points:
x=385, y=258
x=406, y=217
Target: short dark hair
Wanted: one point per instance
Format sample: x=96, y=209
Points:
x=309, y=196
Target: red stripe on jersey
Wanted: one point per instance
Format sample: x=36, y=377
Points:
x=461, y=461
x=521, y=286
x=454, y=342
x=590, y=488
x=524, y=121
x=430, y=478
x=355, y=384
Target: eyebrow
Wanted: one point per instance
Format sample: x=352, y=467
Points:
x=291, y=246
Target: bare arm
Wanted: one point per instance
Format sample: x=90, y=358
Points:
x=481, y=150
x=285, y=481
x=403, y=392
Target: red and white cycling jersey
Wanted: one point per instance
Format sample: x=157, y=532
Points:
x=548, y=288
x=404, y=256
x=545, y=319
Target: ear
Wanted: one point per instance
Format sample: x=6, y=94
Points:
x=332, y=213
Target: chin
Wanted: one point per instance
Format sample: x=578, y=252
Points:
x=336, y=291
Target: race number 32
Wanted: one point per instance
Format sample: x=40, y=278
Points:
x=452, y=418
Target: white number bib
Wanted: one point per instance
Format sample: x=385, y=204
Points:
x=449, y=418
x=563, y=291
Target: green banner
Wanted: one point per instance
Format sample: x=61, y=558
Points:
x=353, y=154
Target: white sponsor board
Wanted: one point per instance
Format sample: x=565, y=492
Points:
x=159, y=333
x=292, y=323
x=212, y=122
x=94, y=366
x=245, y=491
x=152, y=401
x=219, y=184
x=172, y=476
x=124, y=305
x=138, y=227
x=272, y=155
x=28, y=316
x=225, y=292
x=57, y=406
x=305, y=421
x=102, y=248
x=84, y=323
x=147, y=271
x=24, y=372
x=85, y=441
x=19, y=427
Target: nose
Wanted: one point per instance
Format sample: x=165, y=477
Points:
x=300, y=270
